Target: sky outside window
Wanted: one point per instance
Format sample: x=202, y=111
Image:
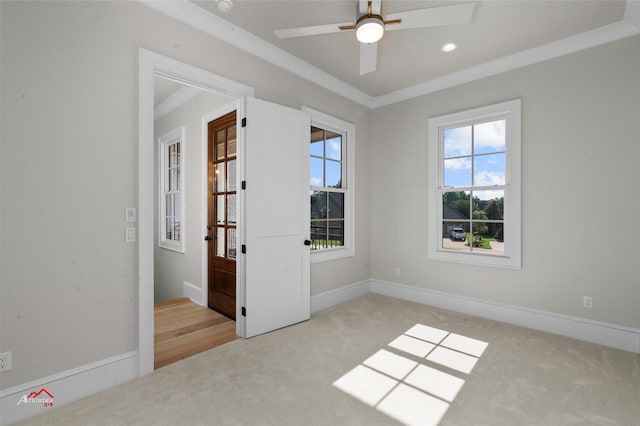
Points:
x=475, y=156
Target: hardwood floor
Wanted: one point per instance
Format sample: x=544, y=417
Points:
x=184, y=328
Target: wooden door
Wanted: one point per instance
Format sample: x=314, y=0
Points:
x=222, y=220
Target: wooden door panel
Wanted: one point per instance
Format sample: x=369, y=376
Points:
x=222, y=215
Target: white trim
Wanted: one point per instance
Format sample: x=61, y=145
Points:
x=511, y=112
x=566, y=46
x=616, y=336
x=340, y=295
x=175, y=136
x=192, y=292
x=175, y=101
x=206, y=119
x=221, y=29
x=211, y=24
x=348, y=130
x=150, y=65
x=69, y=386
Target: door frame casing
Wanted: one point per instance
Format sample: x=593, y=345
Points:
x=150, y=65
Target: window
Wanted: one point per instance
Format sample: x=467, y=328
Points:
x=331, y=187
x=171, y=183
x=474, y=186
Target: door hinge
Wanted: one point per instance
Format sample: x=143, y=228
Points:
x=244, y=121
x=244, y=311
x=243, y=249
x=243, y=184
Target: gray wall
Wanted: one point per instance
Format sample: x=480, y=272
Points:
x=69, y=168
x=580, y=171
x=172, y=269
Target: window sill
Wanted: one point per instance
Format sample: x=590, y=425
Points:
x=331, y=254
x=171, y=247
x=476, y=259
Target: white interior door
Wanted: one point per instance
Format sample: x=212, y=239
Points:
x=275, y=217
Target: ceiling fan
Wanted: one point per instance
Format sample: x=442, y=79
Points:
x=370, y=25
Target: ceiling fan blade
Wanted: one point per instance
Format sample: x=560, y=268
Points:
x=454, y=14
x=368, y=57
x=312, y=30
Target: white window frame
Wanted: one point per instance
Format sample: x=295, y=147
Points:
x=164, y=141
x=511, y=112
x=348, y=132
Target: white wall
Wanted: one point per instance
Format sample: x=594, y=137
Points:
x=173, y=269
x=580, y=154
x=68, y=281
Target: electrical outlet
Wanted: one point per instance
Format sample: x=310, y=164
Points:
x=587, y=302
x=396, y=271
x=5, y=361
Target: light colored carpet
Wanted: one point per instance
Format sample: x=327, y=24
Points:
x=286, y=377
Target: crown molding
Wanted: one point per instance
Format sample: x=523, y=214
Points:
x=211, y=24
x=175, y=101
x=562, y=47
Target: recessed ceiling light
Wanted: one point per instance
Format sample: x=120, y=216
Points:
x=224, y=6
x=449, y=47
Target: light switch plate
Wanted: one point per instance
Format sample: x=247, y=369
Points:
x=130, y=214
x=130, y=235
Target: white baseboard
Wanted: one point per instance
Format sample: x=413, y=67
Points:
x=68, y=386
x=192, y=292
x=334, y=297
x=612, y=335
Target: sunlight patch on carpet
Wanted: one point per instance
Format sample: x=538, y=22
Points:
x=403, y=386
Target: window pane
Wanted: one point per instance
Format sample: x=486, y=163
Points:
x=231, y=208
x=317, y=142
x=218, y=185
x=176, y=230
x=318, y=205
x=219, y=145
x=488, y=204
x=454, y=236
x=457, y=172
x=169, y=228
x=231, y=243
x=317, y=172
x=334, y=146
x=457, y=142
x=489, y=137
x=169, y=205
x=231, y=178
x=231, y=141
x=220, y=209
x=334, y=174
x=220, y=241
x=336, y=205
x=484, y=237
x=335, y=233
x=318, y=234
x=455, y=206
x=489, y=170
x=174, y=179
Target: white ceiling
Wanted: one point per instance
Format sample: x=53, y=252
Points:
x=502, y=35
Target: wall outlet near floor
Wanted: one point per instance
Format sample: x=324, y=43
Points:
x=587, y=302
x=5, y=361
x=396, y=271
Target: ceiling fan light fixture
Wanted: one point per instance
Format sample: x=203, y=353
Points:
x=369, y=30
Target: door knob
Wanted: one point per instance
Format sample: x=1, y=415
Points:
x=307, y=242
x=207, y=238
